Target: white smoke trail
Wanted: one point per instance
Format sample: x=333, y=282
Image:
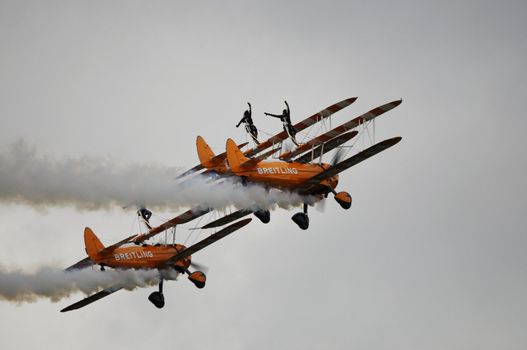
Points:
x=89, y=183
x=56, y=284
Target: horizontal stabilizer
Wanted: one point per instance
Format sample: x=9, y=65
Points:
x=217, y=158
x=84, y=263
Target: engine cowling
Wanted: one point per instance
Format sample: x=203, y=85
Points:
x=343, y=199
x=198, y=278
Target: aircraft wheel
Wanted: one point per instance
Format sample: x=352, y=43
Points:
x=263, y=215
x=158, y=299
x=302, y=220
x=244, y=181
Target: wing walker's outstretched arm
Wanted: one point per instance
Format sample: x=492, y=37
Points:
x=246, y=116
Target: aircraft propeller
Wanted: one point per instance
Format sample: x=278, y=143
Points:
x=199, y=267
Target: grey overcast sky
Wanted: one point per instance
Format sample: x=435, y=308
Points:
x=432, y=253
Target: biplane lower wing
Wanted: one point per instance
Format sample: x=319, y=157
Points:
x=93, y=298
x=326, y=147
x=312, y=183
x=228, y=219
x=190, y=171
x=207, y=241
x=257, y=159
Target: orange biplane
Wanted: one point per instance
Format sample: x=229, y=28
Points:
x=163, y=257
x=302, y=175
x=296, y=171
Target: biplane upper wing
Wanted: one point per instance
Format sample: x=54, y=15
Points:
x=314, y=182
x=323, y=114
x=93, y=298
x=352, y=124
x=325, y=147
x=187, y=216
x=207, y=241
x=319, y=140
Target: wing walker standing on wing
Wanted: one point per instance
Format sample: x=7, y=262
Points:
x=285, y=117
x=249, y=125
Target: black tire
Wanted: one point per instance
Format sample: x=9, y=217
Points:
x=263, y=215
x=158, y=299
x=302, y=220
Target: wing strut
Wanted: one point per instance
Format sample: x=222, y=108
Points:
x=207, y=241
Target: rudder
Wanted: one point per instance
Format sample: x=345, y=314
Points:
x=92, y=243
x=205, y=154
x=235, y=157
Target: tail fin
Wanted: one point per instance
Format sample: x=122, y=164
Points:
x=235, y=157
x=205, y=154
x=92, y=243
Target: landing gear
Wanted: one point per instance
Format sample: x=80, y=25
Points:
x=301, y=219
x=244, y=181
x=157, y=298
x=263, y=215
